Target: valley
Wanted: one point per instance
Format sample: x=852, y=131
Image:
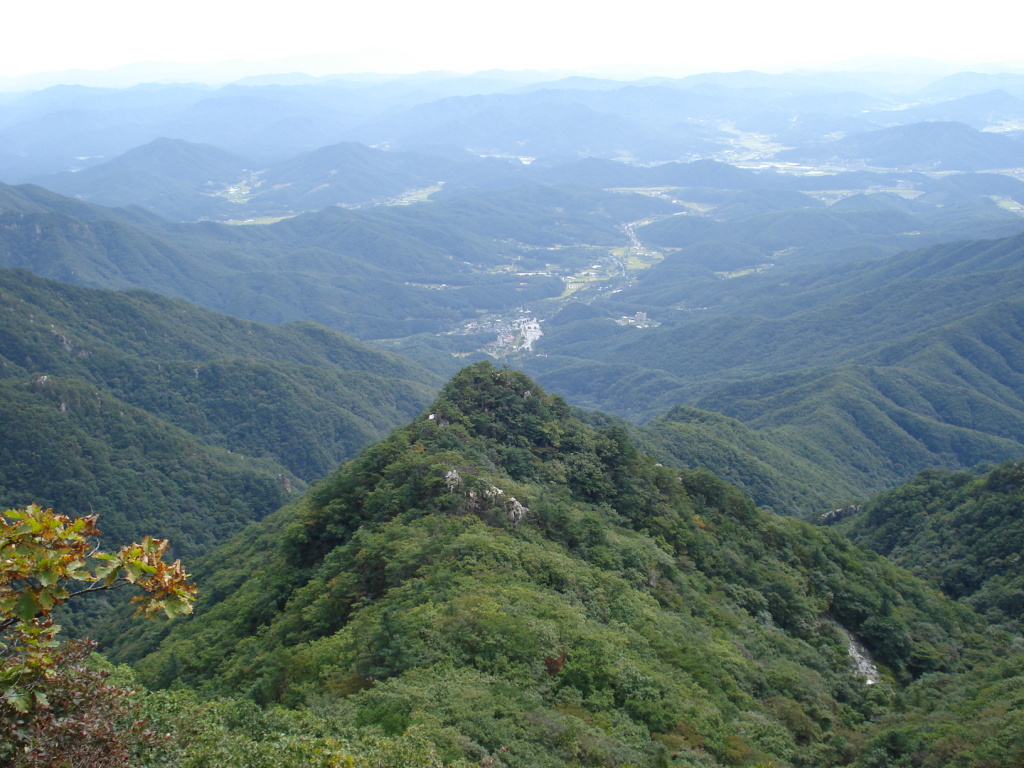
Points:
x=523, y=422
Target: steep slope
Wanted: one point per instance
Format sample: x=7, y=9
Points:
x=302, y=394
x=775, y=475
x=523, y=590
x=170, y=420
x=182, y=181
x=70, y=447
x=869, y=373
x=380, y=273
x=964, y=532
x=345, y=173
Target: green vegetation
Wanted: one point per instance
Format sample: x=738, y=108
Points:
x=60, y=707
x=173, y=420
x=776, y=478
x=961, y=531
x=68, y=446
x=170, y=177
x=928, y=146
x=47, y=561
x=858, y=377
x=502, y=582
x=519, y=589
x=359, y=271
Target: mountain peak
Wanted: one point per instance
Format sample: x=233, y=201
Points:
x=489, y=430
x=498, y=551
x=500, y=404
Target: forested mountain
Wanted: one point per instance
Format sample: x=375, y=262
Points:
x=517, y=588
x=726, y=116
x=795, y=230
x=71, y=447
x=870, y=372
x=962, y=531
x=65, y=128
x=790, y=284
x=977, y=109
x=183, y=181
x=376, y=273
x=169, y=419
x=771, y=471
x=170, y=177
x=807, y=348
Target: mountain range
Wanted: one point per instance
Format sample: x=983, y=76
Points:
x=227, y=316
x=172, y=420
x=942, y=146
x=518, y=588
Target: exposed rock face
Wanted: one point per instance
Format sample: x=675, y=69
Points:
x=861, y=657
x=835, y=515
x=452, y=480
x=515, y=511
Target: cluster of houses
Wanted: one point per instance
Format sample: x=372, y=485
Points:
x=639, y=320
x=519, y=337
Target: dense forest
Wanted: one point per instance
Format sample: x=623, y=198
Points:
x=959, y=530
x=771, y=518
x=514, y=587
x=175, y=421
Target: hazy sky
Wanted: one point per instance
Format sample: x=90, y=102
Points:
x=470, y=35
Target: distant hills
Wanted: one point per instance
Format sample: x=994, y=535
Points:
x=184, y=181
x=941, y=146
x=780, y=296
x=181, y=181
x=66, y=128
x=784, y=293
x=977, y=109
x=822, y=357
x=175, y=178
x=368, y=273
x=869, y=372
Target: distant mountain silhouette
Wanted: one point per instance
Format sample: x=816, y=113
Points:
x=927, y=146
x=978, y=110
x=171, y=177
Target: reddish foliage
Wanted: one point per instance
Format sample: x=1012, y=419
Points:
x=555, y=665
x=85, y=723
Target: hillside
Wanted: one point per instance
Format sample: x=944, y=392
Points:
x=380, y=273
x=959, y=530
x=870, y=372
x=183, y=181
x=507, y=581
x=169, y=419
x=521, y=589
x=977, y=110
x=792, y=231
x=170, y=177
x=344, y=173
x=943, y=146
x=72, y=448
x=773, y=473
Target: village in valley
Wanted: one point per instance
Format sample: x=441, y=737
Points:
x=609, y=271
